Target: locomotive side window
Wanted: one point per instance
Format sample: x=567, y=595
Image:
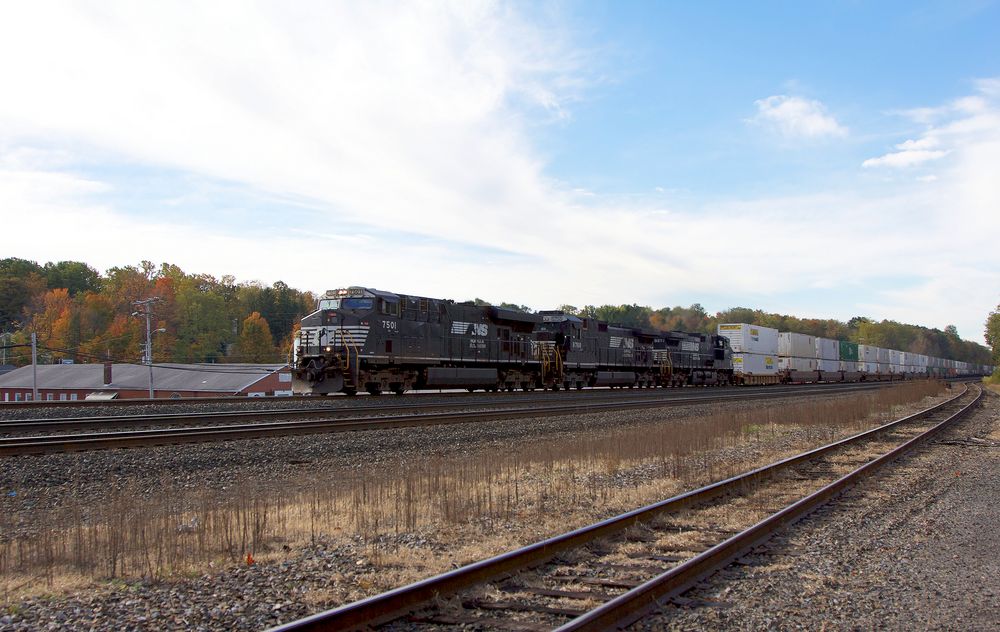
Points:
x=423, y=304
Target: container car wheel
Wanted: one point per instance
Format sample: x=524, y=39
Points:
x=375, y=389
x=350, y=391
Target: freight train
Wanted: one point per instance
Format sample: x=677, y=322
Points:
x=366, y=339
x=363, y=339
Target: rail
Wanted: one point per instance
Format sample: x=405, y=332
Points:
x=398, y=602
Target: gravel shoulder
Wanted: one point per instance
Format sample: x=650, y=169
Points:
x=913, y=549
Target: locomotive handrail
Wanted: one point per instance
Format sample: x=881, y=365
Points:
x=348, y=339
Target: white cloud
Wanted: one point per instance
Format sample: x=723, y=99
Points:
x=797, y=117
x=905, y=158
x=400, y=137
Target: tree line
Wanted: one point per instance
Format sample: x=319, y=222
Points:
x=83, y=315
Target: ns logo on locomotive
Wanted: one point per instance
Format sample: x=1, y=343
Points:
x=362, y=338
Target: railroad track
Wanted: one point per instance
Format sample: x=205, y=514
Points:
x=95, y=422
x=610, y=574
x=233, y=425
x=239, y=400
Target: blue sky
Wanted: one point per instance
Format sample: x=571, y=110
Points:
x=826, y=160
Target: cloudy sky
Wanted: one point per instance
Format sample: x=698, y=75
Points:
x=827, y=161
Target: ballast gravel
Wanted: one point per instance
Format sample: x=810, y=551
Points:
x=915, y=548
x=257, y=596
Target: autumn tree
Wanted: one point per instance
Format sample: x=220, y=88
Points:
x=256, y=343
x=993, y=334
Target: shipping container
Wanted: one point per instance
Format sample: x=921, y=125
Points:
x=827, y=349
x=744, y=338
x=796, y=364
x=828, y=366
x=867, y=353
x=882, y=355
x=755, y=364
x=868, y=367
x=848, y=351
x=895, y=357
x=793, y=345
x=851, y=366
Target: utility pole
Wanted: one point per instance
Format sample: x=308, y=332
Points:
x=147, y=309
x=34, y=366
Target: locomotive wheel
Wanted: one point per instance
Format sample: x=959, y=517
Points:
x=374, y=390
x=398, y=389
x=350, y=391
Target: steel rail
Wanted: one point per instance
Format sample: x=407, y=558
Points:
x=631, y=606
x=400, y=601
x=237, y=399
x=193, y=418
x=49, y=444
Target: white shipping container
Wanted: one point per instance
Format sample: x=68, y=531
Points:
x=744, y=338
x=867, y=353
x=868, y=367
x=755, y=364
x=793, y=345
x=895, y=357
x=849, y=365
x=828, y=366
x=796, y=364
x=882, y=355
x=882, y=367
x=827, y=349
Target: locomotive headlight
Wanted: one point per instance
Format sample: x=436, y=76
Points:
x=327, y=349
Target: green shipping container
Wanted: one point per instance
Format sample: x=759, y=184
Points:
x=848, y=351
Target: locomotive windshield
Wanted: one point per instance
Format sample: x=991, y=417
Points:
x=357, y=303
x=346, y=303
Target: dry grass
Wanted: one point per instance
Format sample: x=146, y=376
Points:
x=470, y=506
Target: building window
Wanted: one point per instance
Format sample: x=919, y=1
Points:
x=48, y=397
x=17, y=397
x=62, y=397
x=72, y=397
x=284, y=377
x=27, y=397
x=6, y=397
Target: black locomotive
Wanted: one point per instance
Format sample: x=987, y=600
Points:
x=366, y=339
